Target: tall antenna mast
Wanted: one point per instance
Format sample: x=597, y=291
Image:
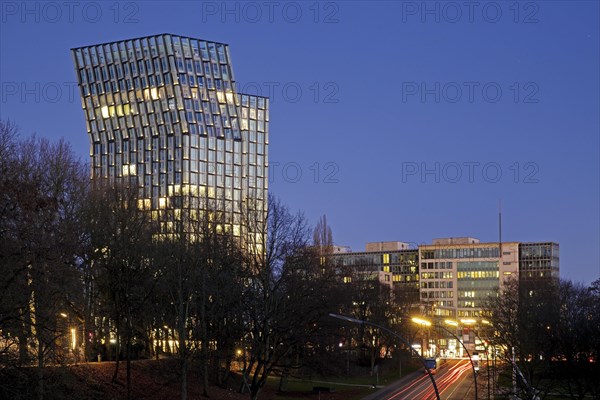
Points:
x=500, y=225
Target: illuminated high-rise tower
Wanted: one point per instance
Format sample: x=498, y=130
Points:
x=163, y=111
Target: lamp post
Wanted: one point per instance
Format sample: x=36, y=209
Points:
x=423, y=323
x=487, y=356
x=71, y=335
x=361, y=322
x=454, y=323
x=347, y=357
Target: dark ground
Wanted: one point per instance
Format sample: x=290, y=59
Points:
x=150, y=380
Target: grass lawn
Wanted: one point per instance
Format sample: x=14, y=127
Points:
x=342, y=387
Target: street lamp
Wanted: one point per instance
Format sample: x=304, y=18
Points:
x=455, y=324
x=487, y=352
x=424, y=323
x=361, y=322
x=347, y=357
x=71, y=329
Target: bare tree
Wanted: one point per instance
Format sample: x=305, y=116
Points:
x=575, y=338
x=525, y=316
x=43, y=185
x=121, y=234
x=283, y=298
x=322, y=237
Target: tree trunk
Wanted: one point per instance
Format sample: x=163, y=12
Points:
x=40, y=370
x=22, y=337
x=284, y=377
x=117, y=351
x=227, y=369
x=254, y=392
x=128, y=361
x=87, y=318
x=203, y=328
x=218, y=369
x=182, y=333
x=184, y=368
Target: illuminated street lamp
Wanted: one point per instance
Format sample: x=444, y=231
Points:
x=424, y=323
x=421, y=321
x=455, y=324
x=486, y=346
x=361, y=322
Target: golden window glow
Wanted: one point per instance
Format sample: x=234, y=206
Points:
x=347, y=279
x=151, y=94
x=144, y=204
x=128, y=170
x=162, y=202
x=190, y=189
x=386, y=260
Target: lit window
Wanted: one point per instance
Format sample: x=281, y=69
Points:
x=162, y=202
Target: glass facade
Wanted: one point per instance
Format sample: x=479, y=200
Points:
x=469, y=252
x=456, y=279
x=162, y=111
x=403, y=264
x=538, y=261
x=476, y=282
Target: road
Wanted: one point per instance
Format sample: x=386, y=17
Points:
x=454, y=380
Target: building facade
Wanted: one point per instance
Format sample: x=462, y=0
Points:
x=392, y=263
x=458, y=275
x=454, y=277
x=163, y=112
x=538, y=261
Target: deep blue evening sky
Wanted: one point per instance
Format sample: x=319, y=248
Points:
x=371, y=95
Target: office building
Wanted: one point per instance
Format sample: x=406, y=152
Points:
x=162, y=112
x=538, y=261
x=453, y=277
x=392, y=263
